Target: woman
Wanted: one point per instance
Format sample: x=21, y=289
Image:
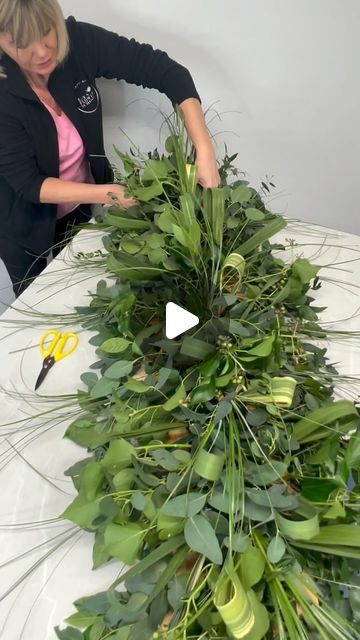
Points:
x=52, y=158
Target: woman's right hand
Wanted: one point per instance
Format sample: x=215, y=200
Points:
x=115, y=194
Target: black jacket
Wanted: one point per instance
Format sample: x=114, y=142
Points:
x=28, y=138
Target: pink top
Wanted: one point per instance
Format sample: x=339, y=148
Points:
x=73, y=167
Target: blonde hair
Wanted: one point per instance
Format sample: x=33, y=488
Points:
x=29, y=20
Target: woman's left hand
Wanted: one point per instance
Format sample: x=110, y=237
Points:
x=208, y=174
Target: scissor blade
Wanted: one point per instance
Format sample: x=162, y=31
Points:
x=47, y=364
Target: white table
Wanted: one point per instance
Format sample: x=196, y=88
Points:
x=40, y=492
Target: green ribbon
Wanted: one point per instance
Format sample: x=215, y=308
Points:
x=232, y=272
x=233, y=604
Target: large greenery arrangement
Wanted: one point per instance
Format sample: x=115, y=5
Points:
x=220, y=467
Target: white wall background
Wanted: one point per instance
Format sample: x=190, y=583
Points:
x=283, y=76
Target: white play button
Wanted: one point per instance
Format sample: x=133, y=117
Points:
x=178, y=320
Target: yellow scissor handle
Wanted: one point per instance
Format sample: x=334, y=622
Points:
x=57, y=344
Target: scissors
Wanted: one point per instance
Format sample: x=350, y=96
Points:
x=55, y=346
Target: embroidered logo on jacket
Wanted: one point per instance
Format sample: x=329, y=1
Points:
x=87, y=97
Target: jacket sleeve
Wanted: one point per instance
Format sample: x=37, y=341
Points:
x=18, y=165
x=106, y=54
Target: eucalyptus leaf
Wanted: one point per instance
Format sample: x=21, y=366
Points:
x=276, y=549
x=103, y=387
x=184, y=506
x=115, y=345
x=200, y=537
x=119, y=369
x=176, y=591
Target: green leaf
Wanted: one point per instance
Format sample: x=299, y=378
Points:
x=168, y=525
x=347, y=535
x=157, y=554
x=312, y=403
x=264, y=474
x=136, y=386
x=252, y=567
x=200, y=537
x=177, y=591
x=318, y=489
x=182, y=237
x=268, y=230
x=138, y=500
x=108, y=507
x=124, y=541
x=97, y=630
x=336, y=511
x=166, y=220
x=125, y=222
x=257, y=417
x=134, y=269
x=97, y=604
x=184, y=506
x=157, y=256
x=241, y=194
x=304, y=270
x=173, y=402
x=115, y=345
x=222, y=410
x=331, y=549
x=155, y=240
x=354, y=596
x=342, y=410
x=164, y=375
x=171, y=568
x=142, y=630
x=145, y=194
x=204, y=392
x=155, y=169
x=220, y=500
x=165, y=459
x=262, y=350
x=352, y=454
x=197, y=349
x=119, y=369
x=89, y=379
x=272, y=497
x=256, y=512
x=82, y=620
x=82, y=512
x=276, y=549
x=239, y=542
x=214, y=212
x=118, y=455
x=209, y=366
x=90, y=480
x=99, y=554
x=124, y=479
x=254, y=214
x=131, y=246
x=144, y=581
x=103, y=387
x=69, y=634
